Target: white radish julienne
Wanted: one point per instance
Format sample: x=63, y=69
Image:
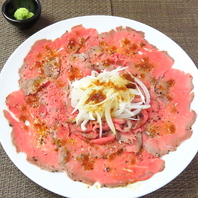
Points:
x=105, y=96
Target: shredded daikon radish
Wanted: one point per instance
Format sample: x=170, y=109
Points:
x=105, y=96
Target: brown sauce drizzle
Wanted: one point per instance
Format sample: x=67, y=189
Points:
x=22, y=117
x=71, y=45
x=111, y=85
x=32, y=100
x=43, y=58
x=128, y=77
x=87, y=161
x=170, y=128
x=109, y=49
x=164, y=128
x=112, y=156
x=170, y=83
x=40, y=127
x=164, y=87
x=131, y=84
x=128, y=47
x=145, y=65
x=96, y=97
x=107, y=62
x=66, y=156
x=74, y=73
x=75, y=46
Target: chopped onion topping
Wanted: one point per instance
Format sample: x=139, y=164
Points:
x=106, y=95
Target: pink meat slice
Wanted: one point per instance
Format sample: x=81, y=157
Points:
x=172, y=124
x=71, y=47
x=47, y=58
x=119, y=169
x=29, y=137
x=34, y=61
x=78, y=40
x=124, y=40
x=109, y=164
x=127, y=44
x=52, y=105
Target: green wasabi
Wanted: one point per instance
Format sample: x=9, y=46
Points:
x=22, y=13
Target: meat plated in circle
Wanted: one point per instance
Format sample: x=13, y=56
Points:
x=103, y=107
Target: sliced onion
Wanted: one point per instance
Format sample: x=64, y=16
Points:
x=83, y=127
x=144, y=88
x=117, y=103
x=100, y=123
x=109, y=118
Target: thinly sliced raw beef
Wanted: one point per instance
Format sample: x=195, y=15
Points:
x=30, y=135
x=44, y=121
x=109, y=164
x=119, y=169
x=172, y=122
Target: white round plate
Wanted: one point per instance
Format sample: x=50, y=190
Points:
x=59, y=183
